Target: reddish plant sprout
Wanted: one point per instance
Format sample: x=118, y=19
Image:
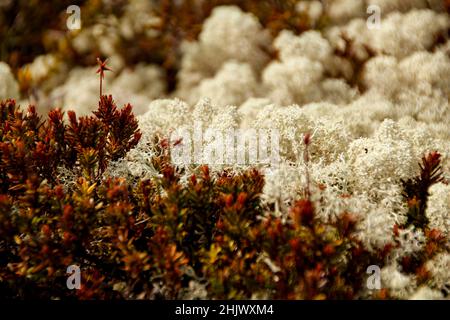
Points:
x=102, y=67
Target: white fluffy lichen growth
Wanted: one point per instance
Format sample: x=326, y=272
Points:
x=426, y=293
x=300, y=75
x=375, y=160
x=294, y=80
x=310, y=44
x=175, y=120
x=79, y=80
x=314, y=10
x=387, y=6
x=228, y=34
x=439, y=208
x=138, y=86
x=399, y=35
x=340, y=11
x=439, y=268
x=163, y=116
x=283, y=184
x=232, y=85
x=402, y=34
x=229, y=28
x=45, y=71
x=9, y=88
x=419, y=83
x=329, y=138
x=400, y=285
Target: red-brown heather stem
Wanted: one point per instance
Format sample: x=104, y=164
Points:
x=101, y=70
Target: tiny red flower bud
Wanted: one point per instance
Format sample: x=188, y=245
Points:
x=303, y=212
x=45, y=249
x=307, y=139
x=294, y=243
x=205, y=171
x=242, y=197
x=67, y=213
x=396, y=230
x=329, y=250
x=194, y=179
x=228, y=200
x=46, y=230
x=59, y=192
x=434, y=234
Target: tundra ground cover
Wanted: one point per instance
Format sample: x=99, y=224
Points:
x=361, y=179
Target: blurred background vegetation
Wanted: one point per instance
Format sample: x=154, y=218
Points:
x=29, y=28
